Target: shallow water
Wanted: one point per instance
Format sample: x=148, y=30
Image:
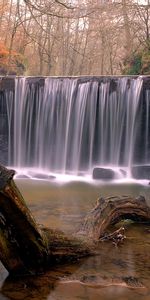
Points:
x=102, y=276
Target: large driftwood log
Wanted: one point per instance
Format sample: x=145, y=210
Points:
x=112, y=210
x=27, y=248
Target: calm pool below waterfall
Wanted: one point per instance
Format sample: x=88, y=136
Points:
x=101, y=277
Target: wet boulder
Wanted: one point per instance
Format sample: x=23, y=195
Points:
x=141, y=172
x=103, y=173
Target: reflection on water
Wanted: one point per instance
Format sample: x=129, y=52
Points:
x=103, y=276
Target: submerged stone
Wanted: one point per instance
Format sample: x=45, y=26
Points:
x=41, y=175
x=22, y=176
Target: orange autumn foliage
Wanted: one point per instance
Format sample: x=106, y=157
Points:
x=10, y=63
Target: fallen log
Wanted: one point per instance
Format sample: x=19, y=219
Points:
x=25, y=246
x=28, y=248
x=112, y=210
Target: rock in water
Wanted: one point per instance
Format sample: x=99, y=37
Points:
x=103, y=174
x=141, y=172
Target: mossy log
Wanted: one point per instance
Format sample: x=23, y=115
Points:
x=28, y=248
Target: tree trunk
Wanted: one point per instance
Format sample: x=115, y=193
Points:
x=27, y=248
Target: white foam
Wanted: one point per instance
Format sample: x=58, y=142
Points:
x=40, y=174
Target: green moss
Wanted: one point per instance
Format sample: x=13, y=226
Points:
x=133, y=65
x=137, y=63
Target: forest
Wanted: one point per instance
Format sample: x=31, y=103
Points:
x=73, y=38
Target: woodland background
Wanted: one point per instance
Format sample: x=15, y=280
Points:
x=78, y=37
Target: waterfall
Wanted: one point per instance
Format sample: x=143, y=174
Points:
x=74, y=124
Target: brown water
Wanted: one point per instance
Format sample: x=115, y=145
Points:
x=114, y=273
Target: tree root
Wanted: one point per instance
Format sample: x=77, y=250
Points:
x=117, y=237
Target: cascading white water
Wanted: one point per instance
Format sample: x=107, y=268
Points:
x=72, y=125
x=147, y=130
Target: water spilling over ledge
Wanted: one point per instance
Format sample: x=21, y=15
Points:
x=72, y=125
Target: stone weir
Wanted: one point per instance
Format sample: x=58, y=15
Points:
x=77, y=125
